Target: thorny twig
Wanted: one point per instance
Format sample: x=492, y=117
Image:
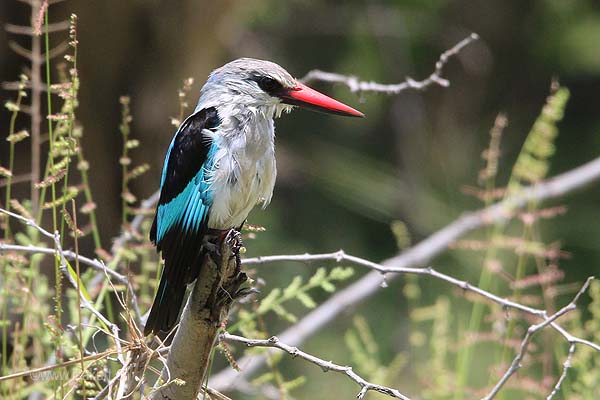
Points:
x=274, y=342
x=69, y=255
x=563, y=375
x=356, y=85
x=341, y=256
x=532, y=330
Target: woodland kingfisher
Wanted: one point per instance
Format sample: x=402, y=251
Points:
x=219, y=165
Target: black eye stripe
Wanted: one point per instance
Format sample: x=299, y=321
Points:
x=269, y=85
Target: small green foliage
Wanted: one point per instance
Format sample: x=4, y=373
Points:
x=533, y=162
x=298, y=290
x=401, y=233
x=510, y=257
x=366, y=355
x=17, y=137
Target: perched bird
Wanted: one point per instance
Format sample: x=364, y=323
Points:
x=219, y=165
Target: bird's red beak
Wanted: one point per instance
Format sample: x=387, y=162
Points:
x=305, y=97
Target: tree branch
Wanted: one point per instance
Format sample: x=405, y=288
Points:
x=356, y=85
x=69, y=255
x=417, y=255
x=563, y=375
x=217, y=285
x=274, y=342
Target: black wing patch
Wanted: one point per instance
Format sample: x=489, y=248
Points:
x=187, y=155
x=180, y=245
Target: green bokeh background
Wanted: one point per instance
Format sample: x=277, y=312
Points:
x=342, y=182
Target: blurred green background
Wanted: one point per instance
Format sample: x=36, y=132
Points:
x=342, y=182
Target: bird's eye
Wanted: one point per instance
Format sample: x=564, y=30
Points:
x=269, y=85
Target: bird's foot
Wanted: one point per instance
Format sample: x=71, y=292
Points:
x=234, y=239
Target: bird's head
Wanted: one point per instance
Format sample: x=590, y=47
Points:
x=265, y=85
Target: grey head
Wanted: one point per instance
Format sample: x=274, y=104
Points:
x=265, y=86
x=247, y=82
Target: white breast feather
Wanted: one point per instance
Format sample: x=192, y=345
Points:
x=245, y=168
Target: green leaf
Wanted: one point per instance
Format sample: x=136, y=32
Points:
x=262, y=379
x=318, y=277
x=294, y=383
x=267, y=303
x=341, y=273
x=328, y=286
x=77, y=281
x=293, y=288
x=283, y=313
x=306, y=300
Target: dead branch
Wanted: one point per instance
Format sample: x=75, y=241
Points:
x=356, y=85
x=274, y=342
x=531, y=331
x=217, y=285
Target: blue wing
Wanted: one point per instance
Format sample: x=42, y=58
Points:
x=182, y=215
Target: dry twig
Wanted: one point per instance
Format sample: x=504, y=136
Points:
x=356, y=85
x=532, y=330
x=274, y=342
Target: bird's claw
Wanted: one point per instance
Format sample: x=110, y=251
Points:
x=234, y=239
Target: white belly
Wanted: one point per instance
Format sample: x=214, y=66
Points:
x=244, y=176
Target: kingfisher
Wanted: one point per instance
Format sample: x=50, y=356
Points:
x=219, y=165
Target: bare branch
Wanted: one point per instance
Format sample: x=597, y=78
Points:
x=533, y=329
x=341, y=256
x=16, y=179
x=69, y=255
x=421, y=254
x=16, y=85
x=356, y=85
x=64, y=364
x=274, y=342
x=563, y=375
x=58, y=50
